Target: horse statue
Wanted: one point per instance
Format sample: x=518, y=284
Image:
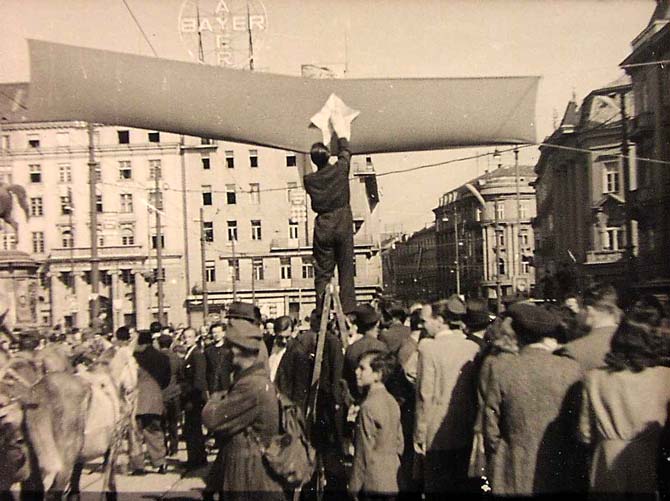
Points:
x=72, y=417
x=7, y=194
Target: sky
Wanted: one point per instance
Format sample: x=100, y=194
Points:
x=574, y=45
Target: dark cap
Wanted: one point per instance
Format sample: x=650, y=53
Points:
x=532, y=322
x=477, y=313
x=144, y=337
x=365, y=315
x=246, y=311
x=244, y=335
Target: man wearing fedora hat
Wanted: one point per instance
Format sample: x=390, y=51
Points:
x=240, y=313
x=246, y=414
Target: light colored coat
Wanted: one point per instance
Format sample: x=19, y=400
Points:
x=378, y=444
x=446, y=392
x=591, y=349
x=623, y=414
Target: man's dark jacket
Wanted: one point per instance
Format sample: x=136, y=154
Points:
x=219, y=367
x=157, y=364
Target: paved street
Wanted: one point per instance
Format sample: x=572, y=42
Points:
x=175, y=484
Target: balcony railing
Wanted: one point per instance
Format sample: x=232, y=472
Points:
x=604, y=256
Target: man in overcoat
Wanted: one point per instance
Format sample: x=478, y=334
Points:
x=245, y=419
x=172, y=394
x=153, y=376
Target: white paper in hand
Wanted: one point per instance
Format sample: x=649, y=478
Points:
x=334, y=105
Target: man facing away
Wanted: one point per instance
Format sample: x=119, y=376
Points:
x=333, y=239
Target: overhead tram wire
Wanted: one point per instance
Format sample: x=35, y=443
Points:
x=139, y=26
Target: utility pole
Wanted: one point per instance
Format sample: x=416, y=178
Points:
x=458, y=260
x=159, y=242
x=251, y=41
x=71, y=278
x=497, y=265
x=630, y=251
x=517, y=263
x=234, y=273
x=203, y=267
x=92, y=196
x=253, y=281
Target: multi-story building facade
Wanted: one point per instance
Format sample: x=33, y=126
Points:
x=256, y=228
x=411, y=267
x=650, y=130
x=582, y=234
x=484, y=235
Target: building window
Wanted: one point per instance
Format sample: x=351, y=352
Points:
x=478, y=214
x=232, y=230
x=258, y=268
x=293, y=230
x=205, y=163
x=38, y=242
x=65, y=206
x=611, y=181
x=64, y=173
x=35, y=171
x=501, y=238
x=613, y=238
x=154, y=240
x=525, y=267
x=9, y=241
x=231, y=194
x=156, y=199
x=253, y=158
x=97, y=172
x=98, y=203
x=502, y=269
x=523, y=210
x=307, y=268
x=255, y=193
x=67, y=238
x=291, y=160
x=206, y=140
x=155, y=169
x=256, y=233
x=500, y=210
x=523, y=238
x=234, y=269
x=127, y=236
x=36, y=206
x=230, y=159
x=206, y=194
x=210, y=271
x=285, y=267
x=290, y=186
x=6, y=143
x=125, y=170
x=154, y=137
x=355, y=265
x=126, y=202
x=123, y=136
x=34, y=140
x=208, y=230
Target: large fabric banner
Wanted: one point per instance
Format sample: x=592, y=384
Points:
x=74, y=83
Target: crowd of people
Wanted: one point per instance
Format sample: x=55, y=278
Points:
x=438, y=398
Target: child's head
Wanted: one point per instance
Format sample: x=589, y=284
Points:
x=373, y=367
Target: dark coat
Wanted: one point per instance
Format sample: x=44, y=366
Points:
x=248, y=412
x=395, y=336
x=195, y=375
x=153, y=376
x=173, y=389
x=530, y=424
x=219, y=367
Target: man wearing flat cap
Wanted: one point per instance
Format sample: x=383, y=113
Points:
x=529, y=416
x=246, y=413
x=366, y=319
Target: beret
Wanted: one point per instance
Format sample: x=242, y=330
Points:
x=533, y=319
